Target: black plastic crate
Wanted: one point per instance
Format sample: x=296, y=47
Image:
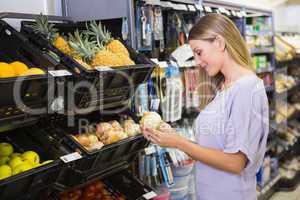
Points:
x=112, y=89
x=129, y=185
x=35, y=183
x=120, y=186
x=32, y=89
x=100, y=162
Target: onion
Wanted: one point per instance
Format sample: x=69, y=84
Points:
x=83, y=140
x=150, y=120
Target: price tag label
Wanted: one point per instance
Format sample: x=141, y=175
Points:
x=103, y=68
x=178, y=7
x=165, y=4
x=155, y=60
x=192, y=8
x=207, y=9
x=222, y=10
x=59, y=73
x=150, y=195
x=239, y=14
x=71, y=157
x=198, y=7
x=173, y=5
x=163, y=64
x=183, y=7
x=169, y=4
x=244, y=13
x=153, y=2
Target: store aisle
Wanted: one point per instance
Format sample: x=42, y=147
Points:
x=294, y=195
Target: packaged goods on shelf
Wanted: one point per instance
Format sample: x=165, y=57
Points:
x=293, y=40
x=284, y=82
x=284, y=51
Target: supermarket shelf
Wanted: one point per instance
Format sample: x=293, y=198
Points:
x=259, y=50
x=294, y=62
x=289, y=90
x=260, y=33
x=264, y=70
x=268, y=190
x=185, y=1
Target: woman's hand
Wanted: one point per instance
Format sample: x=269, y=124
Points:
x=163, y=139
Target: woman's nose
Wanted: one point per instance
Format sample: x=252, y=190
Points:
x=199, y=62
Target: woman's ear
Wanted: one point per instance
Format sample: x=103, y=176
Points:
x=220, y=43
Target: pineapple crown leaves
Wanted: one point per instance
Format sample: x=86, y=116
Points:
x=42, y=26
x=81, y=44
x=99, y=32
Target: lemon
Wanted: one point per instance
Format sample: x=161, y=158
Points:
x=6, y=70
x=19, y=67
x=33, y=71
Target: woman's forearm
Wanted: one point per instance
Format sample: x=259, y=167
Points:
x=233, y=163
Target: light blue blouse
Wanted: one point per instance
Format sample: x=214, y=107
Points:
x=236, y=120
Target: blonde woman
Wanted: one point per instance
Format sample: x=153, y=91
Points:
x=232, y=129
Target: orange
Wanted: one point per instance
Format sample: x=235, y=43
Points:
x=6, y=70
x=19, y=67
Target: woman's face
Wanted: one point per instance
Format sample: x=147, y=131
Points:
x=208, y=55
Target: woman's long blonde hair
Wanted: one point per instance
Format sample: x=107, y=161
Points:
x=206, y=28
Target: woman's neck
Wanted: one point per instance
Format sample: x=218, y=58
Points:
x=233, y=71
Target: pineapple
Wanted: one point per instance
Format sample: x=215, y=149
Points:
x=93, y=52
x=43, y=27
x=115, y=46
x=125, y=59
x=106, y=58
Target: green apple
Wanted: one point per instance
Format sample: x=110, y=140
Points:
x=15, y=161
x=14, y=155
x=22, y=168
x=6, y=149
x=4, y=160
x=5, y=171
x=31, y=156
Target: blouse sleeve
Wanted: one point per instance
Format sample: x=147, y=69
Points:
x=247, y=127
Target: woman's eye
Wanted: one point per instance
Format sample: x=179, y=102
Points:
x=198, y=53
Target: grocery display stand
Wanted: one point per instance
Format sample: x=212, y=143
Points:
x=33, y=89
x=111, y=162
x=72, y=165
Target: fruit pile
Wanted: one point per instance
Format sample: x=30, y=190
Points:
x=17, y=68
x=12, y=163
x=94, y=47
x=107, y=133
x=94, y=191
